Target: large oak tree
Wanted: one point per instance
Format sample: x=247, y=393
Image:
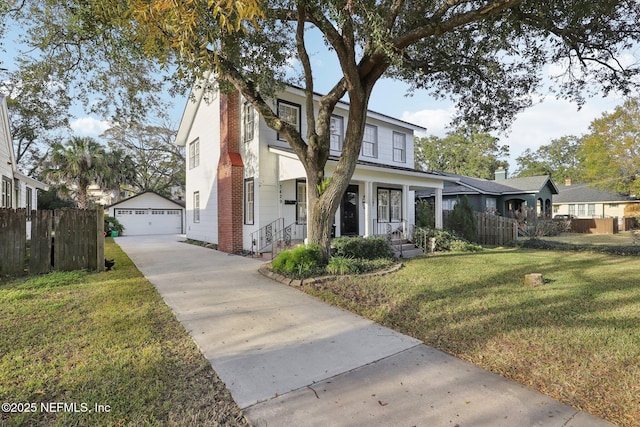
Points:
x=488, y=55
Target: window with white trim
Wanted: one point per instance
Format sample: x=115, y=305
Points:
x=29, y=202
x=290, y=113
x=449, y=204
x=389, y=205
x=6, y=193
x=336, y=127
x=591, y=210
x=249, y=204
x=370, y=141
x=301, y=202
x=399, y=147
x=196, y=206
x=248, y=121
x=194, y=153
x=581, y=210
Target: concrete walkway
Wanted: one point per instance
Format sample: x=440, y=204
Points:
x=291, y=360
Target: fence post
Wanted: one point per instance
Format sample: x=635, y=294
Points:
x=40, y=254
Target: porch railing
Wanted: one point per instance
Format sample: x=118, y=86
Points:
x=275, y=237
x=263, y=239
x=398, y=233
x=287, y=237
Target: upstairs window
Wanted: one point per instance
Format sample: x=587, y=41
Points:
x=370, y=141
x=337, y=131
x=248, y=121
x=194, y=153
x=399, y=147
x=290, y=113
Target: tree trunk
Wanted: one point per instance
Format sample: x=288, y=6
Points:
x=323, y=205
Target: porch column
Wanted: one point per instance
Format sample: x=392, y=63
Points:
x=438, y=209
x=368, y=198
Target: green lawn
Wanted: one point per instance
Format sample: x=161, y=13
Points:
x=84, y=339
x=576, y=338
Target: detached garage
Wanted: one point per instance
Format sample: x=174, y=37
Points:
x=149, y=213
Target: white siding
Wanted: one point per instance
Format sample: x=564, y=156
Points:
x=204, y=177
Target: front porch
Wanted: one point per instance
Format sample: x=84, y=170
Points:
x=380, y=200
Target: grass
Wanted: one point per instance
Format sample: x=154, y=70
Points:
x=576, y=338
x=624, y=238
x=107, y=339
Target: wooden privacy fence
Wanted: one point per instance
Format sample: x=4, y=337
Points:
x=594, y=225
x=492, y=229
x=64, y=239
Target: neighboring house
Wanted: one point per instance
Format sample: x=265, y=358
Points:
x=582, y=201
x=17, y=190
x=149, y=213
x=242, y=177
x=503, y=196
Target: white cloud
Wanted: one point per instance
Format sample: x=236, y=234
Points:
x=89, y=126
x=548, y=119
x=435, y=120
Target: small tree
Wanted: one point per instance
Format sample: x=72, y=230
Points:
x=425, y=214
x=463, y=220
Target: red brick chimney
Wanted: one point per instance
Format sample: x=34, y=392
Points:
x=230, y=176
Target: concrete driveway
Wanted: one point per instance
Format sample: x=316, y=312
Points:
x=289, y=359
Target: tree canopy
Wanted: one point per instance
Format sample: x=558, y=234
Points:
x=470, y=153
x=611, y=150
x=559, y=159
x=159, y=164
x=75, y=165
x=488, y=55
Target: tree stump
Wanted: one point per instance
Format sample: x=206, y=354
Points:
x=533, y=280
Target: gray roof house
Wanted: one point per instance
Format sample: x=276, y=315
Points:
x=582, y=201
x=503, y=196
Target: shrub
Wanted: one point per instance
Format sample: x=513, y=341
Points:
x=444, y=241
x=462, y=246
x=364, y=248
x=463, y=220
x=112, y=224
x=425, y=214
x=341, y=265
x=300, y=262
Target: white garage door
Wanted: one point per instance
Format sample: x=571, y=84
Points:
x=150, y=221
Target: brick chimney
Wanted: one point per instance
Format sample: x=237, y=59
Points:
x=567, y=181
x=230, y=176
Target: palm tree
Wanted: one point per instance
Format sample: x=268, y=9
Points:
x=79, y=163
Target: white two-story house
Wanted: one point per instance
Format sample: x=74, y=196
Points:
x=244, y=183
x=17, y=190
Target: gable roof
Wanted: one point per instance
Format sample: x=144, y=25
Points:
x=577, y=193
x=470, y=185
x=197, y=92
x=146, y=192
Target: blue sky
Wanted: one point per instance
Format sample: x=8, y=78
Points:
x=548, y=119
